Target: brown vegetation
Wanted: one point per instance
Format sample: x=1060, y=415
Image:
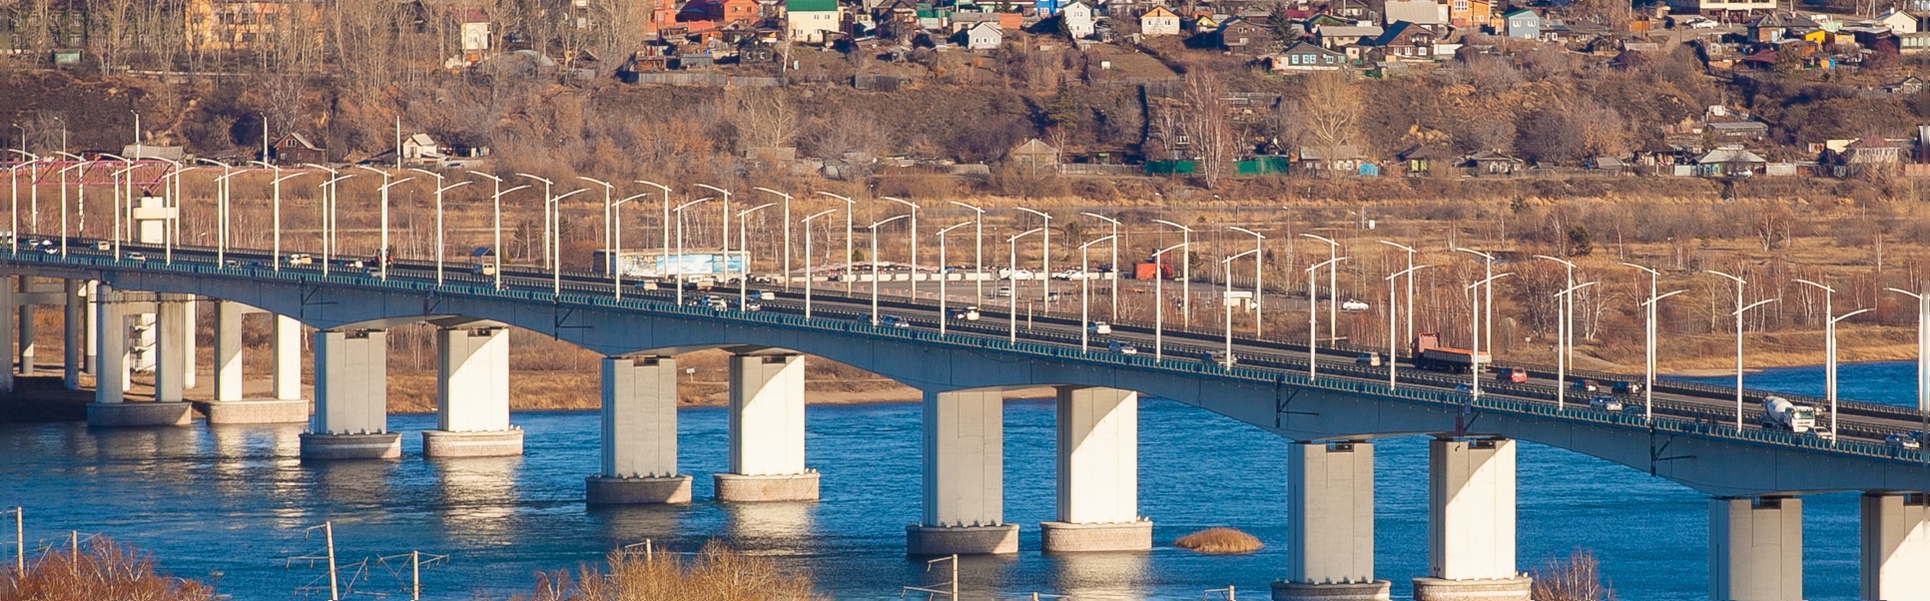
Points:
x=99, y=569
x=717, y=573
x=1576, y=578
x=1217, y=541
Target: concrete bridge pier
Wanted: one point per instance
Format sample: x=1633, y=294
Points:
x=472, y=395
x=1471, y=522
x=25, y=308
x=1756, y=549
x=1098, y=473
x=73, y=329
x=111, y=379
x=8, y=297
x=230, y=404
x=173, y=343
x=964, y=486
x=1330, y=521
x=351, y=398
x=767, y=432
x=1896, y=547
x=639, y=435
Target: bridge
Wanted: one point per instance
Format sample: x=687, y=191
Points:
x=1332, y=410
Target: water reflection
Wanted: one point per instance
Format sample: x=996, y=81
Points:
x=1102, y=575
x=785, y=526
x=352, y=482
x=478, y=497
x=629, y=524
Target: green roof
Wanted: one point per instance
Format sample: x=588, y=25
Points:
x=821, y=6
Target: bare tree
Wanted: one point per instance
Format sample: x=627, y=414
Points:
x=112, y=22
x=1577, y=578
x=1208, y=126
x=1330, y=108
x=765, y=117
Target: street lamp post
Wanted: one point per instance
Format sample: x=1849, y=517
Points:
x=616, y=237
x=1186, y=272
x=874, y=262
x=1565, y=344
x=1313, y=314
x=1012, y=302
x=170, y=203
x=1085, y=294
x=275, y=183
x=439, y=190
x=1259, y=263
x=1226, y=299
x=1649, y=332
x=914, y=244
x=724, y=236
x=1923, y=346
x=1333, y=287
x=496, y=211
x=1487, y=293
x=1159, y=297
x=1740, y=308
x=547, y=186
x=978, y=249
x=1474, y=354
x=329, y=196
x=1113, y=286
x=556, y=238
x=1045, y=261
x=664, y=259
x=609, y=204
x=382, y=254
x=1393, y=342
x=807, y=257
x=787, y=232
x=1829, y=348
x=63, y=200
x=850, y=208
x=943, y=315
x=743, y=243
x=128, y=173
x=678, y=265
x=1409, y=312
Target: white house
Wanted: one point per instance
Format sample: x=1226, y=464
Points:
x=1078, y=19
x=1158, y=21
x=809, y=20
x=984, y=36
x=1898, y=21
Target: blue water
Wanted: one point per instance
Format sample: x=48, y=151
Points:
x=231, y=503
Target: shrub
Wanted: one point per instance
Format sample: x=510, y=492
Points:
x=102, y=569
x=1219, y=541
x=716, y=574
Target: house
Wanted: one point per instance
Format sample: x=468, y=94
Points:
x=809, y=20
x=1403, y=41
x=1242, y=36
x=474, y=36
x=1470, y=13
x=1898, y=21
x=420, y=148
x=294, y=149
x=1035, y=154
x=1303, y=56
x=1158, y=22
x=1360, y=10
x=1332, y=160
x=1729, y=161
x=1725, y=10
x=1426, y=12
x=1078, y=19
x=1906, y=86
x=1774, y=27
x=1336, y=37
x=984, y=36
x=243, y=25
x=1521, y=23
x=1420, y=160
x=1871, y=152
x=1729, y=132
x=1493, y=163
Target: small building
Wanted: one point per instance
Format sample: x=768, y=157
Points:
x=293, y=148
x=1490, y=163
x=1078, y=19
x=1241, y=36
x=984, y=36
x=1158, y=22
x=1303, y=56
x=1336, y=37
x=1871, y=151
x=1426, y=12
x=1420, y=160
x=809, y=20
x=1477, y=14
x=1341, y=159
x=1034, y=154
x=1898, y=21
x=1522, y=24
x=1404, y=41
x=421, y=148
x=1729, y=161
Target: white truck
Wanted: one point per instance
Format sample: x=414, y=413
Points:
x=1779, y=413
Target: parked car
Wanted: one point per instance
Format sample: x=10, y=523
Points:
x=1354, y=306
x=1123, y=348
x=1369, y=359
x=1586, y=386
x=1512, y=374
x=1605, y=402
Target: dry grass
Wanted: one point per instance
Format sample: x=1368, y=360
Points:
x=1576, y=578
x=103, y=569
x=1216, y=541
x=716, y=574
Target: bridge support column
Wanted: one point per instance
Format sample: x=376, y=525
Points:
x=288, y=359
x=230, y=404
x=639, y=435
x=767, y=432
x=1098, y=472
x=472, y=396
x=351, y=398
x=110, y=408
x=1471, y=522
x=73, y=329
x=1756, y=549
x=170, y=362
x=1330, y=521
x=7, y=358
x=90, y=317
x=964, y=487
x=1896, y=547
x=26, y=329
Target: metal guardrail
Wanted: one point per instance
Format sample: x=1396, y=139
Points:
x=581, y=294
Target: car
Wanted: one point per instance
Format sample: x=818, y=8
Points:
x=765, y=295
x=349, y=263
x=1512, y=374
x=893, y=321
x=647, y=285
x=304, y=259
x=231, y=264
x=1627, y=387
x=49, y=247
x=1004, y=292
x=751, y=306
x=1354, y=306
x=484, y=269
x=1823, y=432
x=1220, y=358
x=1368, y=359
x=1702, y=23
x=1018, y=274
x=1605, y=402
x=1586, y=386
x=137, y=256
x=254, y=265
x=1123, y=348
x=1903, y=440
x=103, y=245
x=1099, y=327
x=966, y=314
x=1463, y=389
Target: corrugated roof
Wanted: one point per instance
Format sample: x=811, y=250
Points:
x=811, y=5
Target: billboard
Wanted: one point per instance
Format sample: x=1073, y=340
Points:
x=654, y=264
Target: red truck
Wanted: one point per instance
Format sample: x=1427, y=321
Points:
x=1430, y=355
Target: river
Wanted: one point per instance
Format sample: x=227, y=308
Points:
x=231, y=504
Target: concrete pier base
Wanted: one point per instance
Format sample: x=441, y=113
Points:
x=1350, y=591
x=136, y=415
x=443, y=443
x=1504, y=589
x=739, y=488
x=962, y=540
x=600, y=490
x=263, y=411
x=1067, y=537
x=386, y=445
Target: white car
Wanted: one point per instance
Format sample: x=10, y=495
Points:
x=1123, y=348
x=1354, y=306
x=1701, y=23
x=1605, y=402
x=1018, y=274
x=1005, y=292
x=1100, y=327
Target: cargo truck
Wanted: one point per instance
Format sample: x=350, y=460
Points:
x=1780, y=414
x=1430, y=355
